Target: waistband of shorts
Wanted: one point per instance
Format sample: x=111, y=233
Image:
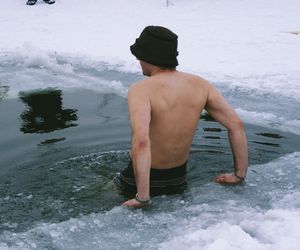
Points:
x=158, y=177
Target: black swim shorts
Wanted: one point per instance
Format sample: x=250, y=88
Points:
x=162, y=181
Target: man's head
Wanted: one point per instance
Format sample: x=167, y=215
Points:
x=157, y=46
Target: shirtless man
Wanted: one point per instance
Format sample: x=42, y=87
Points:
x=164, y=112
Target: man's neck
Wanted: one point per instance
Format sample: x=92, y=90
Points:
x=160, y=71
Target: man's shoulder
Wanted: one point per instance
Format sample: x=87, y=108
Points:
x=196, y=81
x=137, y=89
x=196, y=78
x=136, y=86
x=184, y=76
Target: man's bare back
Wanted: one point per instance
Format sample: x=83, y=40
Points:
x=177, y=100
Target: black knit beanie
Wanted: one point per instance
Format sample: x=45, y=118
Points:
x=156, y=45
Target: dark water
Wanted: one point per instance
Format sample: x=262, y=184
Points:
x=64, y=134
x=60, y=150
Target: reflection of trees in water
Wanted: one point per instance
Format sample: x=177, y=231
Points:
x=44, y=112
x=3, y=92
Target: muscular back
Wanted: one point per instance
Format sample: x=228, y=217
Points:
x=176, y=101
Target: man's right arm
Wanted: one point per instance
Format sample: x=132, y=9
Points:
x=140, y=116
x=222, y=112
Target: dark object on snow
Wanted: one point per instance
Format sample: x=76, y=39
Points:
x=33, y=2
x=49, y=1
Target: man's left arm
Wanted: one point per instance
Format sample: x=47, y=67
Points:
x=222, y=112
x=140, y=116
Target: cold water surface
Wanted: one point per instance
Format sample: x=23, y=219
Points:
x=60, y=148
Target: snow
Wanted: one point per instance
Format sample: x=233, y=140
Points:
x=232, y=37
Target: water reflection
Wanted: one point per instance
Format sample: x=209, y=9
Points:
x=3, y=92
x=212, y=137
x=54, y=140
x=206, y=117
x=267, y=144
x=270, y=135
x=213, y=129
x=44, y=112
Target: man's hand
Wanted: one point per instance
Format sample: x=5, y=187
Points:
x=134, y=203
x=226, y=178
